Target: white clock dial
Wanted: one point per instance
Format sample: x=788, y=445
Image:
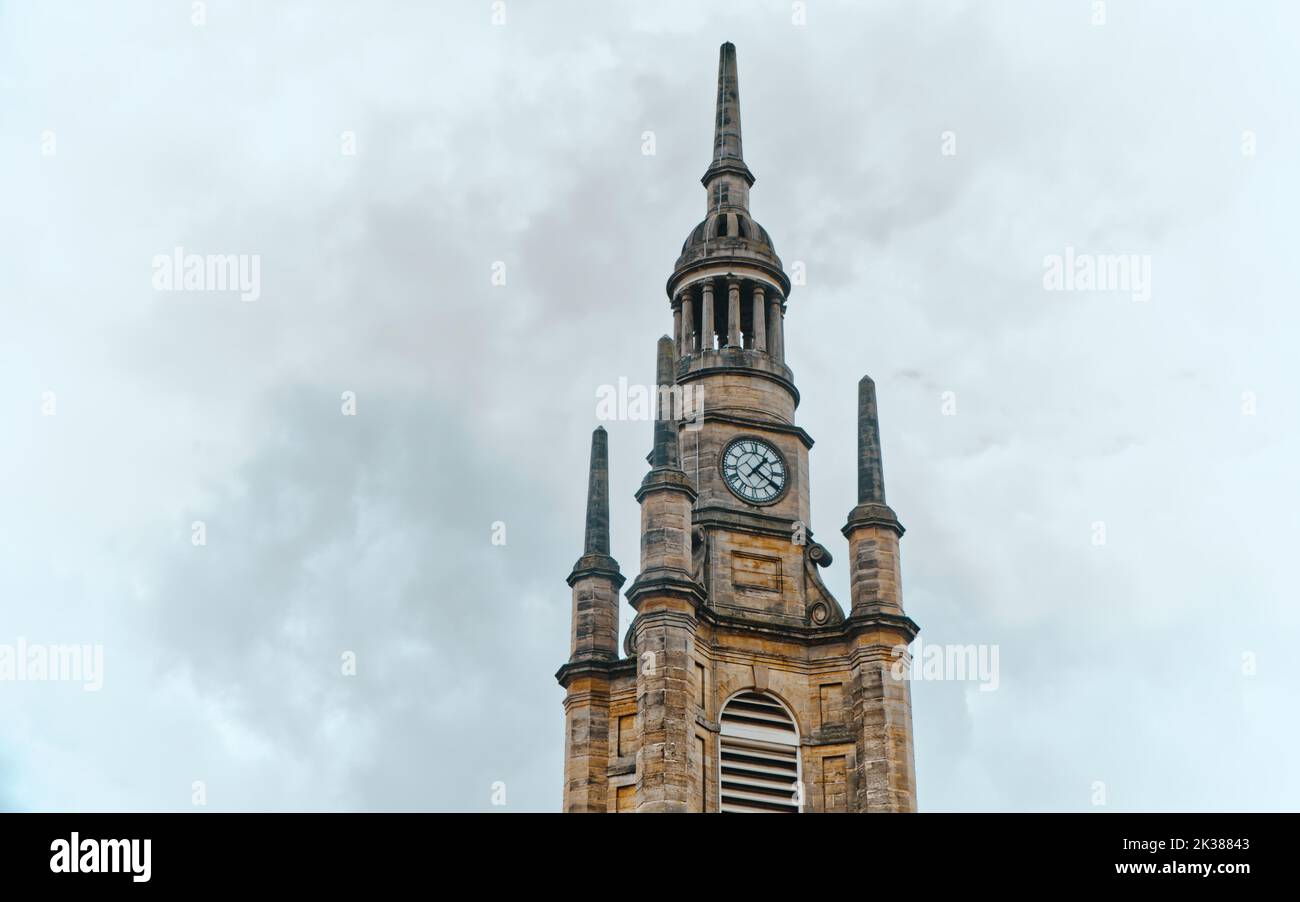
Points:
x=754, y=470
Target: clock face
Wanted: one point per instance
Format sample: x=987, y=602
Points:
x=754, y=470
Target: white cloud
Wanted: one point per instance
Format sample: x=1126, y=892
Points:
x=522, y=144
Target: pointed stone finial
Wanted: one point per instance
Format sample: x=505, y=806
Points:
x=597, y=541
x=667, y=497
x=727, y=153
x=595, y=560
x=871, y=474
x=871, y=509
x=665, y=454
x=595, y=578
x=726, y=131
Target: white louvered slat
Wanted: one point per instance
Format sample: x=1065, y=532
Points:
x=759, y=764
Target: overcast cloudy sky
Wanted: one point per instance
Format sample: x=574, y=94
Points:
x=1160, y=663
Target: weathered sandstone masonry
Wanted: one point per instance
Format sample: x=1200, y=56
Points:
x=741, y=684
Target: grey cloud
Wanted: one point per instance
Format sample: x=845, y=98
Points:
x=522, y=144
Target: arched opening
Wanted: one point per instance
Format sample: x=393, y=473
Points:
x=758, y=768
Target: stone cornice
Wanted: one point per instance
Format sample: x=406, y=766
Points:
x=798, y=632
x=721, y=260
x=594, y=667
x=671, y=479
x=876, y=618
x=733, y=360
x=872, y=514
x=640, y=620
x=665, y=581
x=727, y=166
x=601, y=565
x=717, y=515
x=734, y=419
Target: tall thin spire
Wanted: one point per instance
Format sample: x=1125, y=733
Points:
x=727, y=154
x=726, y=131
x=871, y=511
x=597, y=541
x=665, y=454
x=871, y=474
x=595, y=578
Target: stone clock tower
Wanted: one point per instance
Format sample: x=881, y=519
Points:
x=741, y=684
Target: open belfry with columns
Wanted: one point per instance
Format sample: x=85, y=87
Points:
x=741, y=685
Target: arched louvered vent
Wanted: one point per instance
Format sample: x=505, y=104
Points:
x=720, y=226
x=760, y=756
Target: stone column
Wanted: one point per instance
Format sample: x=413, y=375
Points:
x=881, y=712
x=778, y=330
x=706, y=318
x=733, y=313
x=664, y=640
x=596, y=579
x=665, y=597
x=593, y=647
x=677, y=327
x=760, y=319
x=879, y=690
x=873, y=529
x=688, y=322
x=586, y=740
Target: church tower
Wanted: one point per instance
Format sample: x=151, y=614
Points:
x=741, y=685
